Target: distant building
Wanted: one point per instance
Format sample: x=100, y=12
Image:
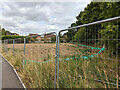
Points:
x=12, y=34
x=45, y=37
x=32, y=35
x=48, y=37
x=37, y=37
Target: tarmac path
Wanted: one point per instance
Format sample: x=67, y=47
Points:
x=9, y=77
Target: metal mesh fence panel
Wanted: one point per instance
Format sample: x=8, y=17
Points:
x=5, y=46
x=85, y=56
x=89, y=56
x=39, y=60
x=18, y=47
x=34, y=59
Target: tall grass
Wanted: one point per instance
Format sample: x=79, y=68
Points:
x=75, y=73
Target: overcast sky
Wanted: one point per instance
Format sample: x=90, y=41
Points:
x=39, y=17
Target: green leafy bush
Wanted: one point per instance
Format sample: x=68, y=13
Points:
x=12, y=37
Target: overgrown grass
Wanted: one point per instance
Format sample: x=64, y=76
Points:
x=87, y=73
x=34, y=75
x=97, y=72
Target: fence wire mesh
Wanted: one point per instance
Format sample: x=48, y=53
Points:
x=86, y=56
x=89, y=56
x=40, y=59
x=34, y=58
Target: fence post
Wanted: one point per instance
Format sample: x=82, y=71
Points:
x=55, y=62
x=6, y=46
x=58, y=63
x=13, y=46
x=24, y=53
x=0, y=46
x=5, y=49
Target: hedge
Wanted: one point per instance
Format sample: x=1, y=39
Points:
x=11, y=37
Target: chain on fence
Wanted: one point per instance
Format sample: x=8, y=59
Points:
x=85, y=56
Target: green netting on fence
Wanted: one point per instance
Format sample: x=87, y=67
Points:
x=72, y=58
x=96, y=48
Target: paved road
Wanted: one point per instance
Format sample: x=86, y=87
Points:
x=9, y=78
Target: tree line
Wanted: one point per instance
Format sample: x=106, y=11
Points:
x=4, y=32
x=4, y=36
x=96, y=11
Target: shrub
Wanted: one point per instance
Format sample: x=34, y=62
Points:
x=11, y=37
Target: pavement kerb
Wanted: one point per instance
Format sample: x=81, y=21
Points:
x=14, y=71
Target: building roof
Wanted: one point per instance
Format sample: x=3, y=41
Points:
x=32, y=34
x=12, y=34
x=50, y=35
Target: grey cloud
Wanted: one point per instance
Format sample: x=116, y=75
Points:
x=8, y=22
x=38, y=17
x=63, y=21
x=36, y=28
x=29, y=13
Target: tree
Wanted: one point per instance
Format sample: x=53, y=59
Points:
x=53, y=39
x=3, y=31
x=96, y=11
x=7, y=32
x=111, y=31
